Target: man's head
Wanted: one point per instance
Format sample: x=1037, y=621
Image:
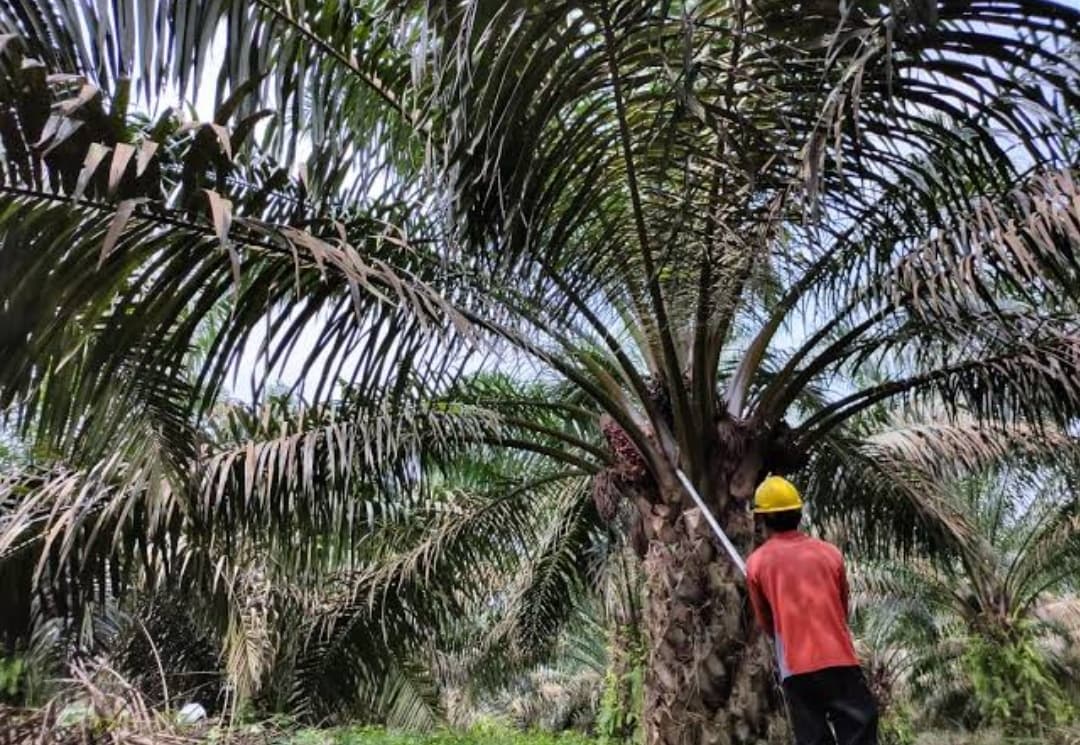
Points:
x=778, y=505
x=781, y=522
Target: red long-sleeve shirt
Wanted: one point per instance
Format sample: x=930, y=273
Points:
x=799, y=593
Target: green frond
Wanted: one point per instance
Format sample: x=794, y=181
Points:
x=331, y=473
x=326, y=68
x=554, y=574
x=972, y=636
x=410, y=699
x=882, y=506
x=935, y=444
x=890, y=479
x=464, y=546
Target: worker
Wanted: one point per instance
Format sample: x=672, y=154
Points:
x=799, y=594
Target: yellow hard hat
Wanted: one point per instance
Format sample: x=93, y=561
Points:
x=776, y=494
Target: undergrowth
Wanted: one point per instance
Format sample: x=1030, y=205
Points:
x=485, y=735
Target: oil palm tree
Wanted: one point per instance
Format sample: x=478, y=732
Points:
x=707, y=219
x=974, y=640
x=323, y=593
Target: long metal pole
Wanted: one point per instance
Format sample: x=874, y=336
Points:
x=732, y=552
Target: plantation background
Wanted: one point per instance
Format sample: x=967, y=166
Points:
x=351, y=355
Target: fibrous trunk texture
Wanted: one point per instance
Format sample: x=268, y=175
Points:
x=709, y=679
x=709, y=674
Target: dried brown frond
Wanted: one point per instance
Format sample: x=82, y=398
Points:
x=98, y=707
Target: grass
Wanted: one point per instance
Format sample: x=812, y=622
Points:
x=503, y=736
x=1067, y=736
x=485, y=735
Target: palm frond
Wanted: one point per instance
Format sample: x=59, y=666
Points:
x=465, y=546
x=968, y=637
x=888, y=479
x=166, y=218
x=934, y=444
x=538, y=606
x=882, y=507
x=323, y=65
x=411, y=700
x=69, y=536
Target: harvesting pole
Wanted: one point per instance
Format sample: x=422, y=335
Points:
x=732, y=552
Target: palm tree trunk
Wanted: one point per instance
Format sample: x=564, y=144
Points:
x=708, y=673
x=709, y=679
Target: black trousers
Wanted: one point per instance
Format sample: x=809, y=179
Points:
x=836, y=696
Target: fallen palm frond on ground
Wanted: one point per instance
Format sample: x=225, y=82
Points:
x=98, y=707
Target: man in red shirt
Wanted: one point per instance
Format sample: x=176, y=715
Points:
x=799, y=593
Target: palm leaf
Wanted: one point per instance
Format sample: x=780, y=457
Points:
x=888, y=482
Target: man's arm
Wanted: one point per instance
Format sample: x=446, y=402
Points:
x=760, y=605
x=845, y=591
